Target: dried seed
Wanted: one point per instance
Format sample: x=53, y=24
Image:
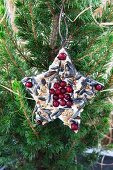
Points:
x=49, y=85
x=29, y=91
x=55, y=68
x=33, y=80
x=82, y=91
x=90, y=93
x=57, y=113
x=77, y=100
x=35, y=110
x=49, y=98
x=47, y=111
x=70, y=81
x=68, y=75
x=78, y=117
x=43, y=81
x=42, y=98
x=49, y=73
x=36, y=90
x=75, y=115
x=78, y=76
x=71, y=67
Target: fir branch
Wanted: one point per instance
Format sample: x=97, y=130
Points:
x=2, y=19
x=32, y=22
x=100, y=60
x=70, y=150
x=102, y=24
x=15, y=44
x=106, y=90
x=10, y=90
x=88, y=54
x=50, y=8
x=106, y=75
x=91, y=10
x=12, y=58
x=26, y=116
x=8, y=71
x=86, y=9
x=111, y=79
x=106, y=23
x=91, y=44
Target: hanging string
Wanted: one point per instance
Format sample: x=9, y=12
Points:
x=62, y=18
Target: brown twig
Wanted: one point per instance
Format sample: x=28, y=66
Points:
x=14, y=43
x=50, y=8
x=111, y=81
x=32, y=22
x=54, y=31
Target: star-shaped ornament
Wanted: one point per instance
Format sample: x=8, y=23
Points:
x=61, y=92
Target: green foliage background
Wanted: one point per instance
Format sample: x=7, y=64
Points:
x=23, y=145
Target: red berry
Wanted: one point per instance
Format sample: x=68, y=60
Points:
x=62, y=56
x=74, y=126
x=51, y=91
x=55, y=97
x=57, y=91
x=62, y=83
x=67, y=96
x=69, y=103
x=63, y=90
x=62, y=102
x=98, y=87
x=56, y=85
x=39, y=122
x=61, y=96
x=55, y=103
x=29, y=84
x=69, y=89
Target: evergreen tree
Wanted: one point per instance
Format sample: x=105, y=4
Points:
x=30, y=50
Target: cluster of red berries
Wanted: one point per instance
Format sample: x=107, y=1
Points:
x=61, y=94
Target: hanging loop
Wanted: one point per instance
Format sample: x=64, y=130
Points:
x=63, y=19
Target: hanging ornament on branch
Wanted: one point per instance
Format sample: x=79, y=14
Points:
x=62, y=91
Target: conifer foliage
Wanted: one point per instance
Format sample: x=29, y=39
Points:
x=30, y=50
